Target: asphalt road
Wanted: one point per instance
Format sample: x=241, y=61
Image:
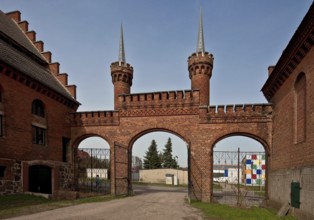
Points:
x=149, y=203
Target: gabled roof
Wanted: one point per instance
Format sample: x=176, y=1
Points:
x=300, y=44
x=27, y=66
x=11, y=29
x=18, y=52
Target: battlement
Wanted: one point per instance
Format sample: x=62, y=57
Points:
x=94, y=118
x=163, y=99
x=236, y=112
x=120, y=64
x=122, y=72
x=201, y=57
x=200, y=63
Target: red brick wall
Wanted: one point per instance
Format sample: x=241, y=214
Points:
x=17, y=108
x=201, y=136
x=286, y=151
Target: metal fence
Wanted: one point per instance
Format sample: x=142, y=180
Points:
x=239, y=178
x=93, y=170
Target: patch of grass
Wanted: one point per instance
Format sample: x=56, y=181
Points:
x=13, y=201
x=17, y=205
x=224, y=212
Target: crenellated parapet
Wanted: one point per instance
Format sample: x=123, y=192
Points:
x=94, y=118
x=200, y=63
x=236, y=113
x=159, y=103
x=121, y=71
x=46, y=55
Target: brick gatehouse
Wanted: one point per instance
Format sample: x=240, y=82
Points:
x=186, y=114
x=40, y=128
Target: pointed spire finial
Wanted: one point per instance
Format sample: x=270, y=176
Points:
x=200, y=39
x=121, y=47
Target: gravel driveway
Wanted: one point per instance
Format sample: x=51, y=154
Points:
x=149, y=203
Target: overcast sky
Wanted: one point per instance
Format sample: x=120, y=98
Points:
x=245, y=37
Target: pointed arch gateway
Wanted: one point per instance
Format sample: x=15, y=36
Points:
x=185, y=113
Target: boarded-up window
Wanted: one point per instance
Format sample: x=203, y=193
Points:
x=300, y=108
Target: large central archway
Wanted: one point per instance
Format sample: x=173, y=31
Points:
x=172, y=167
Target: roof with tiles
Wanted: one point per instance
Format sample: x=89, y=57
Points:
x=11, y=29
x=18, y=51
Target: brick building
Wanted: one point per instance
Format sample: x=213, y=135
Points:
x=35, y=101
x=290, y=89
x=40, y=129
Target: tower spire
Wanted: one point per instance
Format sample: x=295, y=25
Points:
x=200, y=65
x=122, y=74
x=200, y=39
x=121, y=47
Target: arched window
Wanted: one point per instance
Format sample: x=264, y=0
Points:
x=300, y=108
x=38, y=108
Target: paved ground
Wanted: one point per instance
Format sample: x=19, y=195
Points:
x=152, y=203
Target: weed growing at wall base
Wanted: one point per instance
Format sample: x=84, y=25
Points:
x=224, y=212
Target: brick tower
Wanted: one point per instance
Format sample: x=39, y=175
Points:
x=121, y=73
x=200, y=65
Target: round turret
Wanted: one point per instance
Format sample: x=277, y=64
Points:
x=122, y=76
x=200, y=67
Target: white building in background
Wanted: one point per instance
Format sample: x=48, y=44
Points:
x=159, y=175
x=92, y=173
x=227, y=173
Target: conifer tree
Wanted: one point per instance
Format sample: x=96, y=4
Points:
x=152, y=158
x=167, y=160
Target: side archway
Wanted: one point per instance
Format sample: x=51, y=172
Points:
x=91, y=155
x=239, y=169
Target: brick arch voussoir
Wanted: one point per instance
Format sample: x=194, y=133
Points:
x=44, y=163
x=256, y=137
x=82, y=137
x=147, y=131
